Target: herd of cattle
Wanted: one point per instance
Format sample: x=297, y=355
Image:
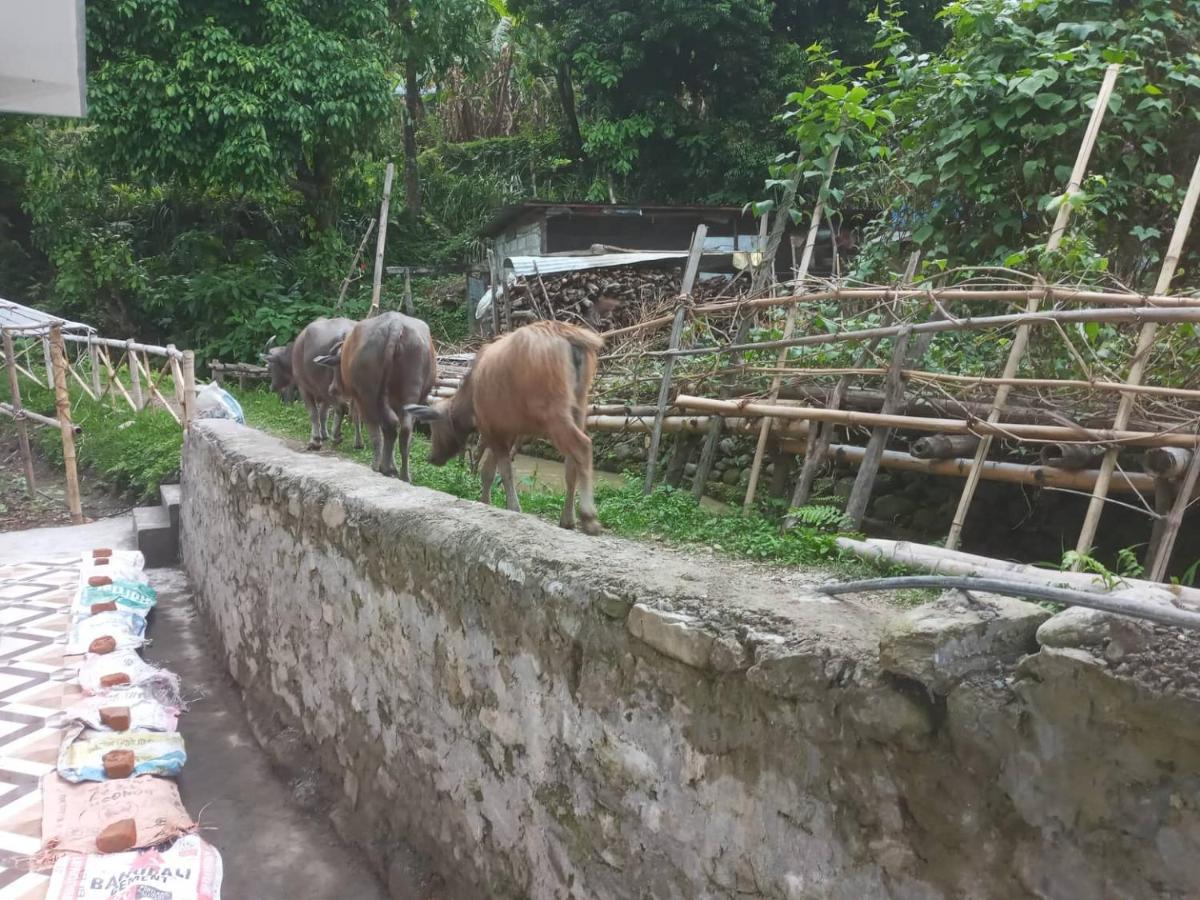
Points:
x=531, y=383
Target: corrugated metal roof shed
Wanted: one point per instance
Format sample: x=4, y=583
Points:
x=546, y=265
x=33, y=321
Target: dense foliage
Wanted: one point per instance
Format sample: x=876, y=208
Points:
x=235, y=152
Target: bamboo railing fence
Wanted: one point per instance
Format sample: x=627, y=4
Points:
x=127, y=374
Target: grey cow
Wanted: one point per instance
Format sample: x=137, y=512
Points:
x=385, y=364
x=316, y=382
x=278, y=361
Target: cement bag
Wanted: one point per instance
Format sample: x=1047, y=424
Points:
x=132, y=558
x=100, y=674
x=91, y=599
x=123, y=630
x=117, y=571
x=123, y=709
x=189, y=869
x=102, y=756
x=212, y=402
x=135, y=812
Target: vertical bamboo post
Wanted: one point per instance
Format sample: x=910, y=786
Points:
x=790, y=323
x=1141, y=356
x=495, y=266
x=188, y=364
x=1174, y=521
x=664, y=389
x=94, y=362
x=135, y=378
x=49, y=363
x=62, y=405
x=408, y=297
x=1021, y=338
x=14, y=394
x=381, y=240
x=177, y=380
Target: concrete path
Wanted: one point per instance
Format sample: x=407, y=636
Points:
x=273, y=847
x=16, y=546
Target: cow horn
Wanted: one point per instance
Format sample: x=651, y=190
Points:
x=423, y=413
x=329, y=359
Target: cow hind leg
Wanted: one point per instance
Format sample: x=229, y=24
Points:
x=339, y=412
x=387, y=456
x=406, y=431
x=487, y=476
x=358, y=441
x=574, y=444
x=568, y=514
x=314, y=417
x=504, y=462
x=376, y=445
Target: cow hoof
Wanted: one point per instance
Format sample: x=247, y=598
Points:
x=337, y=442
x=591, y=526
x=568, y=524
x=313, y=445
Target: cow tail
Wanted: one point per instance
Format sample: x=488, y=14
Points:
x=390, y=353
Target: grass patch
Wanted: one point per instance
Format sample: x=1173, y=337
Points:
x=130, y=453
x=667, y=515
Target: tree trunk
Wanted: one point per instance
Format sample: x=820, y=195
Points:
x=566, y=96
x=412, y=105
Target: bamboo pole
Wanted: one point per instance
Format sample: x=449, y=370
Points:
x=362, y=245
x=135, y=378
x=1019, y=431
x=794, y=441
x=14, y=393
x=188, y=364
x=30, y=416
x=83, y=385
x=664, y=389
x=94, y=364
x=381, y=240
x=955, y=562
x=1162, y=613
x=115, y=380
x=860, y=494
x=979, y=381
x=62, y=405
x=1141, y=356
x=152, y=349
x=789, y=324
x=1021, y=338
x=1022, y=320
x=49, y=363
x=1174, y=520
x=408, y=297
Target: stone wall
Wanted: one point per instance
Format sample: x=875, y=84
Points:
x=547, y=715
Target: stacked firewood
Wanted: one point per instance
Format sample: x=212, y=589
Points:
x=603, y=298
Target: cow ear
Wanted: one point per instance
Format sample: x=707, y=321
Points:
x=423, y=413
x=331, y=360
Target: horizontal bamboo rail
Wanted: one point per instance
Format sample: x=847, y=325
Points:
x=1018, y=431
x=1138, y=314
x=981, y=381
x=942, y=295
x=44, y=421
x=152, y=349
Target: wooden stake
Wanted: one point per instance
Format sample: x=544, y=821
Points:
x=497, y=271
x=14, y=393
x=135, y=378
x=62, y=405
x=790, y=323
x=346, y=282
x=1174, y=520
x=188, y=364
x=408, y=297
x=1021, y=338
x=49, y=363
x=94, y=363
x=864, y=482
x=381, y=240
x=691, y=270
x=1141, y=356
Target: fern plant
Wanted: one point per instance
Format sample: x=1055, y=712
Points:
x=819, y=516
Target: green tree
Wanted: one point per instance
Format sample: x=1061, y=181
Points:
x=236, y=95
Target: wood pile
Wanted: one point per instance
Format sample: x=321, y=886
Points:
x=603, y=298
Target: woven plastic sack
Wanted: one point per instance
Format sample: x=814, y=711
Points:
x=117, y=571
x=127, y=629
x=74, y=815
x=131, y=558
x=128, y=595
x=145, y=712
x=101, y=674
x=189, y=869
x=213, y=402
x=84, y=753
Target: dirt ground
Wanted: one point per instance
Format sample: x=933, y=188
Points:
x=49, y=504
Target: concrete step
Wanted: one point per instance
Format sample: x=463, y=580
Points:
x=155, y=536
x=172, y=496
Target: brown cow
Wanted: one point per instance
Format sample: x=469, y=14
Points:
x=533, y=382
x=385, y=364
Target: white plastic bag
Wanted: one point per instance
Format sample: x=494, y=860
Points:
x=83, y=754
x=145, y=712
x=126, y=628
x=213, y=402
x=131, y=596
x=189, y=869
x=130, y=558
x=101, y=674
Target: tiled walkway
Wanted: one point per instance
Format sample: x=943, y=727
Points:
x=34, y=686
